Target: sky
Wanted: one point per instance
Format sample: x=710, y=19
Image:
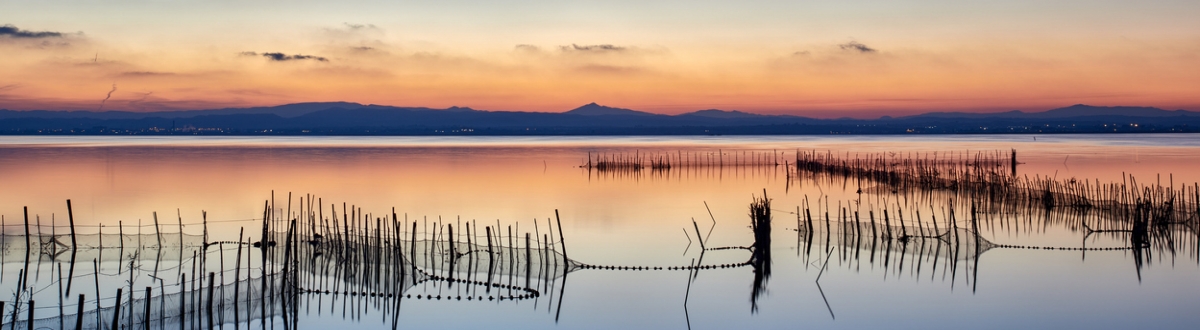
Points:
x=815, y=58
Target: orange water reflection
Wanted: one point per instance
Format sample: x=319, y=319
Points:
x=513, y=180
x=645, y=219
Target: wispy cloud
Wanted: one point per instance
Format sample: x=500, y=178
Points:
x=352, y=33
x=145, y=74
x=281, y=57
x=856, y=46
x=527, y=48
x=593, y=48
x=609, y=69
x=12, y=35
x=285, y=57
x=10, y=31
x=593, y=60
x=140, y=103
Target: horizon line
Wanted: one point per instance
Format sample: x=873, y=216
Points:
x=878, y=114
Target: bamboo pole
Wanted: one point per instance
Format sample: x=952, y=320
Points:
x=116, y=321
x=78, y=313
x=146, y=317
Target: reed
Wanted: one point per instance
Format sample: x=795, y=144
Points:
x=667, y=160
x=986, y=177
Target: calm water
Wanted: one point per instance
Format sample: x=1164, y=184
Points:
x=635, y=219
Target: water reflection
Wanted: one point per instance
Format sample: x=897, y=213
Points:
x=859, y=239
x=371, y=262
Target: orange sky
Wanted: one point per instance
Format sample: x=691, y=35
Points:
x=819, y=58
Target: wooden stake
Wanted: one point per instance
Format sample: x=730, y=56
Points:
x=78, y=313
x=146, y=317
x=116, y=321
x=561, y=239
x=30, y=322
x=209, y=307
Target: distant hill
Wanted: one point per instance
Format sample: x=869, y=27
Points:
x=590, y=119
x=1078, y=110
x=285, y=111
x=593, y=109
x=714, y=113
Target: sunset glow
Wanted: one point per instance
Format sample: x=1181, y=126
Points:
x=812, y=58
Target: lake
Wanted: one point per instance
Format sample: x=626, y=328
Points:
x=943, y=259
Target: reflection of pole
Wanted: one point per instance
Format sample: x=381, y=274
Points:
x=413, y=252
x=157, y=231
x=975, y=231
x=688, y=293
x=818, y=282
x=563, y=286
x=826, y=301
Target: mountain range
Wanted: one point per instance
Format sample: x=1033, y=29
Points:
x=592, y=118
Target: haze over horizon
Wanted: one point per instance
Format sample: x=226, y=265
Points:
x=822, y=59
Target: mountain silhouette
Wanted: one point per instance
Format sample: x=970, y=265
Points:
x=1078, y=110
x=715, y=113
x=285, y=111
x=592, y=118
x=593, y=109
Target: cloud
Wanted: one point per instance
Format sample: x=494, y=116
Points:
x=140, y=103
x=609, y=69
x=281, y=57
x=527, y=48
x=350, y=40
x=253, y=92
x=592, y=60
x=285, y=57
x=326, y=71
x=12, y=36
x=355, y=27
x=849, y=59
x=353, y=33
x=604, y=48
x=8, y=30
x=856, y=46
x=145, y=74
